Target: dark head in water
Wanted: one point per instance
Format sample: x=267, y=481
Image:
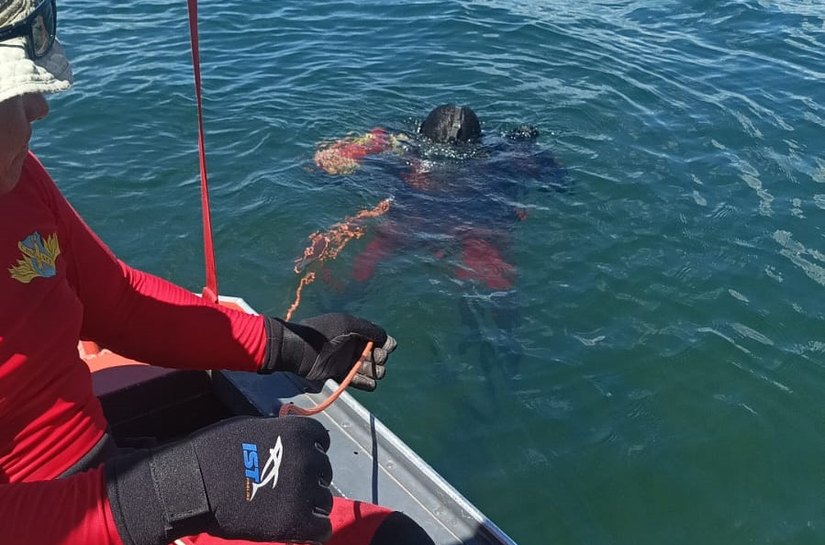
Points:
x=450, y=124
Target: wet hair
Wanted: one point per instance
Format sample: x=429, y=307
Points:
x=449, y=123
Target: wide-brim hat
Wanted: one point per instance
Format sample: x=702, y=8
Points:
x=19, y=74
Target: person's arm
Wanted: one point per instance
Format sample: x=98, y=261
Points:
x=539, y=164
x=344, y=156
x=149, y=319
x=59, y=512
x=144, y=317
x=154, y=496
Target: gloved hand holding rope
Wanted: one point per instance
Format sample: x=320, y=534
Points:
x=326, y=347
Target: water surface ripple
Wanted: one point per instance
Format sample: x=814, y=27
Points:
x=667, y=378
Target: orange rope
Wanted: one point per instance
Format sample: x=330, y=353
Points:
x=324, y=247
x=294, y=409
x=308, y=279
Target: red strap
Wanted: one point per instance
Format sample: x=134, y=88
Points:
x=211, y=290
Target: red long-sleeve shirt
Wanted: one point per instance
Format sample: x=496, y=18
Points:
x=60, y=283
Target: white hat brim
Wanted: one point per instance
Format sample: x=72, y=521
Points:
x=19, y=75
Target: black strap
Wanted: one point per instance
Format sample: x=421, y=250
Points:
x=104, y=449
x=274, y=339
x=179, y=484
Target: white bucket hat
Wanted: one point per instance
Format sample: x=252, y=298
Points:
x=18, y=73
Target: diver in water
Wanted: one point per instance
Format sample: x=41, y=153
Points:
x=463, y=193
x=449, y=131
x=458, y=181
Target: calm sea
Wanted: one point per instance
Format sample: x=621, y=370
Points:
x=665, y=376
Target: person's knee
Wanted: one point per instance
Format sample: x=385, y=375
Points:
x=399, y=529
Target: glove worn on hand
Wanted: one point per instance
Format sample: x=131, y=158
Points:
x=260, y=479
x=327, y=346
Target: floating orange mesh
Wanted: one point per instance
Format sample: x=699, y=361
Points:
x=326, y=245
x=344, y=156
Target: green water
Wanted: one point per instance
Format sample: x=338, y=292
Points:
x=670, y=309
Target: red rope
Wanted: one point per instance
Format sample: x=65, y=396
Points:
x=211, y=290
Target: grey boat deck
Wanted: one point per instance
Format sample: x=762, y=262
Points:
x=370, y=462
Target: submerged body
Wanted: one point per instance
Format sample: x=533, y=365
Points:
x=454, y=190
x=457, y=195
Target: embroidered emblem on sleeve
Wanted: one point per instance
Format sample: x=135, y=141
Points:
x=38, y=258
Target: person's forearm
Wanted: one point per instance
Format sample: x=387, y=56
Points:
x=142, y=316
x=155, y=321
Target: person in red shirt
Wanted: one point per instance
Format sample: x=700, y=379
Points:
x=255, y=479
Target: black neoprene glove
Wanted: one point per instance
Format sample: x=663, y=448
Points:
x=327, y=346
x=260, y=479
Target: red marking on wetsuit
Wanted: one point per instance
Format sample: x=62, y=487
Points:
x=483, y=262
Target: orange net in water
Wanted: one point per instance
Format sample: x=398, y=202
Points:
x=326, y=245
